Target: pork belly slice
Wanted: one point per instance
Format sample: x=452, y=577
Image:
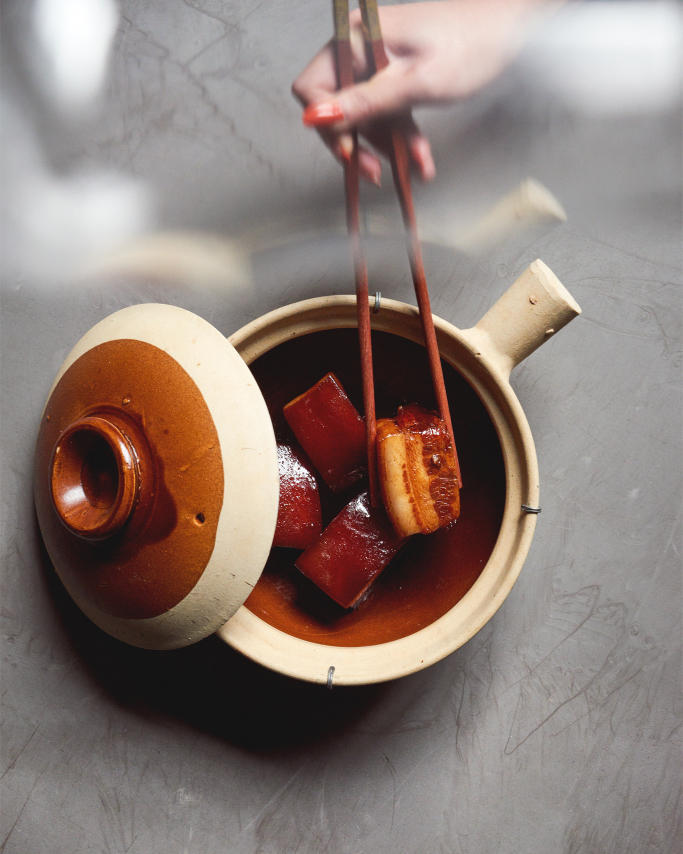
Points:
x=417, y=471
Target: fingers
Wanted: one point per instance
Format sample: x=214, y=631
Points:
x=341, y=145
x=420, y=152
x=370, y=165
x=385, y=95
x=419, y=149
x=317, y=84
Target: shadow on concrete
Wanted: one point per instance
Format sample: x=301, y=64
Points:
x=210, y=686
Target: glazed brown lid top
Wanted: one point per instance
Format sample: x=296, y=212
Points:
x=156, y=481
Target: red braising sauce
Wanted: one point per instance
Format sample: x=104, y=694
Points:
x=432, y=573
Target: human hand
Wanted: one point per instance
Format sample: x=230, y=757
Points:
x=438, y=52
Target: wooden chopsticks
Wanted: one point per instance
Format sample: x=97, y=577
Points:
x=352, y=191
x=400, y=168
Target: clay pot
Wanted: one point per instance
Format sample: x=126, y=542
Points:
x=187, y=460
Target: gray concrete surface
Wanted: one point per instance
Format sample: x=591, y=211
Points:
x=558, y=727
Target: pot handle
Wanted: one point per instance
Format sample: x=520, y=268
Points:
x=533, y=309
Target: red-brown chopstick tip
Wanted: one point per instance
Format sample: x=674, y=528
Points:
x=323, y=114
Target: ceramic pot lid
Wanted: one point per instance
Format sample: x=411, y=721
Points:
x=156, y=478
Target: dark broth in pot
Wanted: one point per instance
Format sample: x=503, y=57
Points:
x=432, y=573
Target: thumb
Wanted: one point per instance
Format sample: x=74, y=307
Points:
x=384, y=95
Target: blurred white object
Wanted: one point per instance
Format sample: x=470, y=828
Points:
x=519, y=215
x=69, y=218
x=206, y=262
x=75, y=37
x=613, y=57
x=52, y=222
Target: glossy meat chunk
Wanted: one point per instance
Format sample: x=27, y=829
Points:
x=331, y=431
x=299, y=518
x=351, y=552
x=417, y=471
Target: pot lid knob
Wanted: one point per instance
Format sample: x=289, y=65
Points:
x=94, y=478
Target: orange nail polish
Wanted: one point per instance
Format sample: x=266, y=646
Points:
x=345, y=147
x=323, y=114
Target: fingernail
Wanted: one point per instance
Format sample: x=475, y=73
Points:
x=323, y=114
x=372, y=176
x=422, y=155
x=428, y=173
x=370, y=169
x=345, y=147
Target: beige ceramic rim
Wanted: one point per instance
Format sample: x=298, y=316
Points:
x=484, y=358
